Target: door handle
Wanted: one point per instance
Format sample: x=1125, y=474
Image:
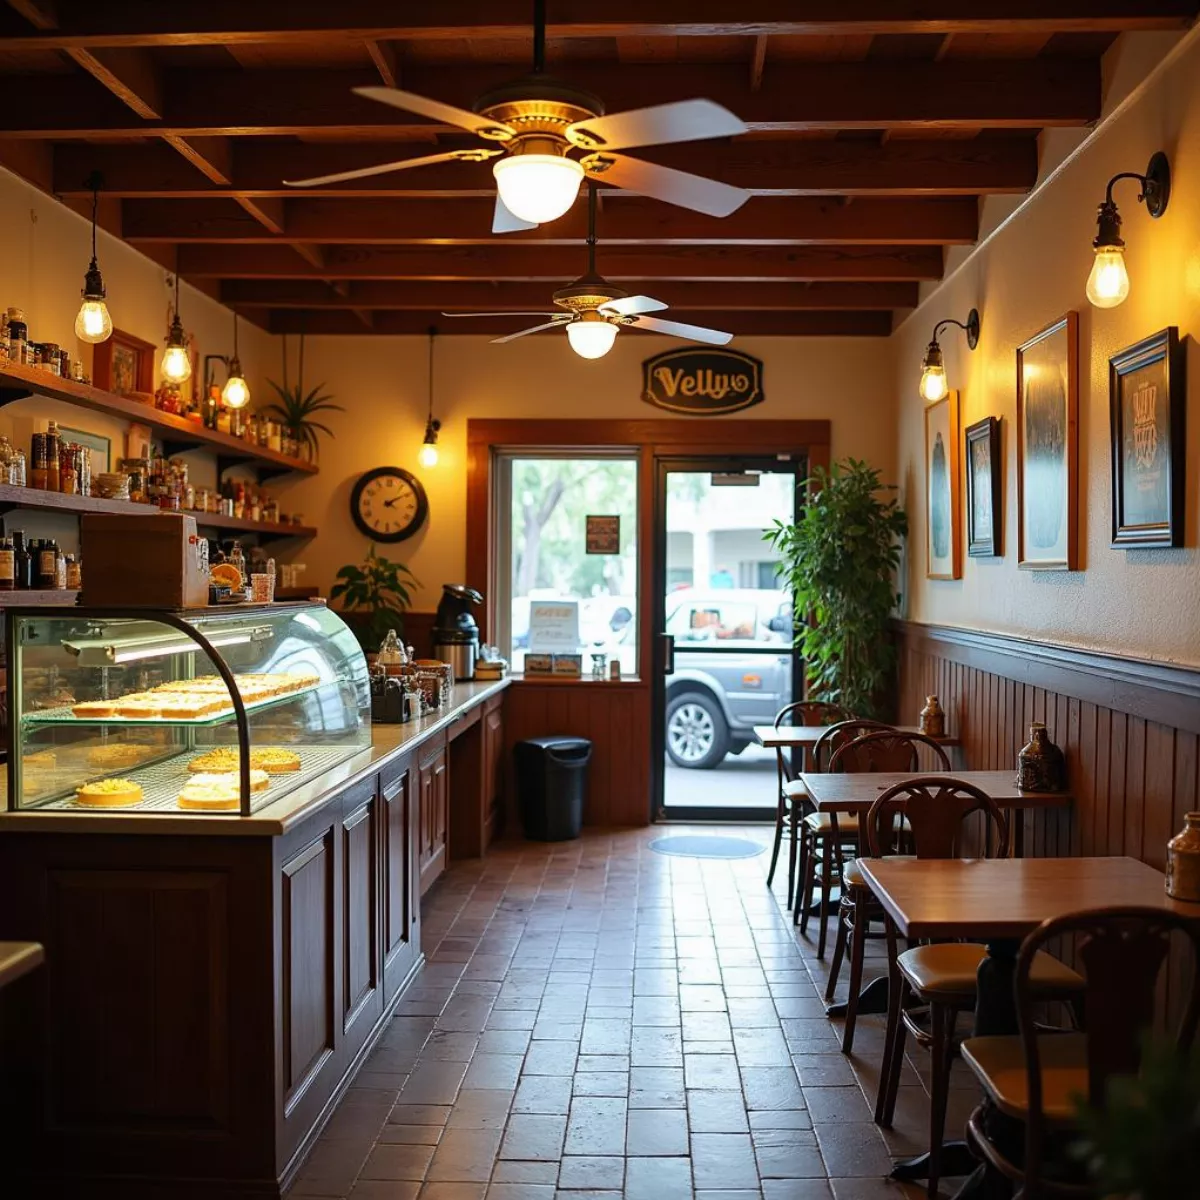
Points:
x=668, y=654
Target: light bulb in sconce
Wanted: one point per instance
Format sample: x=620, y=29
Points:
x=591, y=336
x=236, y=392
x=1108, y=283
x=934, y=385
x=427, y=456
x=537, y=187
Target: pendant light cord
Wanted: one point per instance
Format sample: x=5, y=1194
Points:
x=539, y=36
x=95, y=210
x=432, y=335
x=591, y=234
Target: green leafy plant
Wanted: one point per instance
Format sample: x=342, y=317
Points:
x=374, y=595
x=1145, y=1142
x=296, y=409
x=839, y=561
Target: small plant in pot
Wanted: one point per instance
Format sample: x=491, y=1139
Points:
x=374, y=595
x=839, y=560
x=295, y=411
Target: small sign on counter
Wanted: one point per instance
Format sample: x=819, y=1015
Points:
x=554, y=626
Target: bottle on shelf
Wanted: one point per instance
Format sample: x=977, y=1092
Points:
x=47, y=564
x=8, y=565
x=18, y=336
x=60, y=569
x=53, y=451
x=22, y=562
x=37, y=461
x=74, y=580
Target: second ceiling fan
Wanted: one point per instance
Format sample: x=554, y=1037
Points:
x=594, y=310
x=537, y=121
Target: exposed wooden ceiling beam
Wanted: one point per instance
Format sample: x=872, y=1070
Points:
x=985, y=93
x=559, y=264
x=758, y=62
x=770, y=324
x=383, y=55
x=224, y=22
x=483, y=296
x=790, y=221
x=989, y=163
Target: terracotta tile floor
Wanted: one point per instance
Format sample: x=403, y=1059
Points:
x=598, y=1020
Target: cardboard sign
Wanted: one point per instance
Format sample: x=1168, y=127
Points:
x=603, y=535
x=702, y=383
x=554, y=626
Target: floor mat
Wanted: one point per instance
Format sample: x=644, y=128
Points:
x=707, y=847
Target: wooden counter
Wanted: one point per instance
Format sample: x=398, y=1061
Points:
x=214, y=983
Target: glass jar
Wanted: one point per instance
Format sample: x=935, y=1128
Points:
x=16, y=469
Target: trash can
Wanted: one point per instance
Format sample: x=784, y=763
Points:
x=552, y=786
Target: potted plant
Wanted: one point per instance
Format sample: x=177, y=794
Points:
x=295, y=411
x=374, y=595
x=839, y=561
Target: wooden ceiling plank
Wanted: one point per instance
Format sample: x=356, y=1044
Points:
x=224, y=22
x=988, y=93
x=485, y=296
x=211, y=156
x=758, y=62
x=991, y=163
x=559, y=264
x=787, y=221
x=128, y=73
x=383, y=55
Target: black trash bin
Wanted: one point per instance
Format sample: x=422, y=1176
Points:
x=552, y=777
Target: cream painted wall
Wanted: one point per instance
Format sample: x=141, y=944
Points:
x=1142, y=603
x=383, y=384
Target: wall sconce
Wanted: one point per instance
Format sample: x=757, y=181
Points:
x=933, y=371
x=427, y=456
x=177, y=362
x=93, y=324
x=1108, y=283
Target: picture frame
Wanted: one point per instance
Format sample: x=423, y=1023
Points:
x=984, y=490
x=1048, y=447
x=124, y=365
x=943, y=490
x=101, y=447
x=1147, y=401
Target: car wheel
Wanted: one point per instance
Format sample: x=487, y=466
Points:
x=697, y=735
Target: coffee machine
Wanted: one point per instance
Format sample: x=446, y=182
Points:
x=455, y=633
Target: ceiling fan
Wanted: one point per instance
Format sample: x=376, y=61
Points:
x=596, y=310
x=537, y=121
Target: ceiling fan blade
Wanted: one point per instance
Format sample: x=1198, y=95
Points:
x=630, y=306
x=683, y=121
x=694, y=333
x=565, y=320
x=665, y=183
x=505, y=313
x=402, y=164
x=504, y=220
x=435, y=110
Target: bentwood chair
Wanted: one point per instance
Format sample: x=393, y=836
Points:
x=1033, y=1077
x=942, y=977
x=788, y=805
x=820, y=837
x=884, y=750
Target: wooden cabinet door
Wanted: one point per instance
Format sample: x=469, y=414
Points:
x=362, y=995
x=400, y=854
x=493, y=772
x=433, y=782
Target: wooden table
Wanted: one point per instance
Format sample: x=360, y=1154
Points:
x=795, y=737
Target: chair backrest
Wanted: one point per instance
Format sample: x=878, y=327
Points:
x=888, y=750
x=838, y=735
x=1121, y=953
x=810, y=712
x=935, y=806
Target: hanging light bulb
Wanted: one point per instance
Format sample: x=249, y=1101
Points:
x=427, y=455
x=176, y=362
x=537, y=187
x=1108, y=280
x=934, y=385
x=93, y=324
x=236, y=392
x=591, y=336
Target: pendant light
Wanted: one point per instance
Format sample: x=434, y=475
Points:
x=591, y=334
x=427, y=456
x=93, y=324
x=934, y=384
x=1108, y=283
x=176, y=362
x=236, y=392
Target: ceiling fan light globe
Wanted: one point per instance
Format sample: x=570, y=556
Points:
x=591, y=339
x=537, y=187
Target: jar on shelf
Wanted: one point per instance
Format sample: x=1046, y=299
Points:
x=16, y=469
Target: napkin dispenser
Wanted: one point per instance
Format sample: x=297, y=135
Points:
x=154, y=561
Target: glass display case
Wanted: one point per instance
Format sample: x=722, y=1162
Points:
x=186, y=711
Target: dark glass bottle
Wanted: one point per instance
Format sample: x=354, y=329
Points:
x=8, y=572
x=47, y=564
x=23, y=562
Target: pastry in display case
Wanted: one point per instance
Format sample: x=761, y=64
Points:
x=179, y=711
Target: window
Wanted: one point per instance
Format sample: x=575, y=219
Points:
x=554, y=595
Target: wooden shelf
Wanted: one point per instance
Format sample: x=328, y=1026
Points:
x=37, y=596
x=34, y=498
x=178, y=434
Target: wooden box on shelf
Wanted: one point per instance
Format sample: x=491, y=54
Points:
x=169, y=569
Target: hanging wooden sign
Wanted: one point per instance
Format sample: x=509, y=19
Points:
x=702, y=383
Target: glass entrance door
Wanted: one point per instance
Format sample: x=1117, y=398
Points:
x=724, y=660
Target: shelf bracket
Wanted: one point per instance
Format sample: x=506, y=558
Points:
x=173, y=446
x=9, y=394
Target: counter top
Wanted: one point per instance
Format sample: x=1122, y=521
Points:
x=387, y=742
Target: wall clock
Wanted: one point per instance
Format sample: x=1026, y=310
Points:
x=389, y=504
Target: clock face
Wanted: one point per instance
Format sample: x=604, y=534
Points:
x=389, y=504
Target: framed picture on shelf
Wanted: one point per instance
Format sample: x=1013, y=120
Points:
x=124, y=364
x=1146, y=401
x=985, y=492
x=1048, y=447
x=943, y=490
x=101, y=447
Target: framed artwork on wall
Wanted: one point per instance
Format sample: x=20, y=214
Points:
x=943, y=490
x=124, y=364
x=985, y=490
x=1146, y=401
x=1048, y=447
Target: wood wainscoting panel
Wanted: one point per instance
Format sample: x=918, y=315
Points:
x=1130, y=732
x=399, y=909
x=362, y=997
